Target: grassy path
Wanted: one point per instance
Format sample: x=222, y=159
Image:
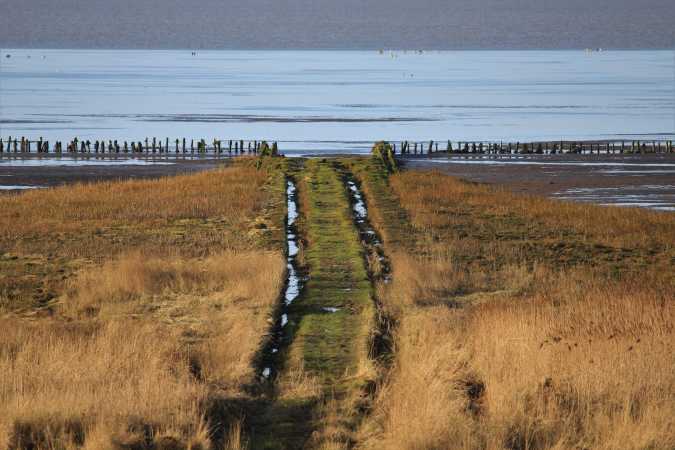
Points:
x=325, y=366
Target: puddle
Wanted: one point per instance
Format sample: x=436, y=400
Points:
x=330, y=309
x=293, y=287
x=358, y=204
x=293, y=283
x=292, y=247
x=366, y=231
x=16, y=187
x=292, y=205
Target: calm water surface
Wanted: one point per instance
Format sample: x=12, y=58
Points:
x=312, y=101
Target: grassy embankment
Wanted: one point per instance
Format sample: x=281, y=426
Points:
x=523, y=323
x=131, y=311
x=326, y=365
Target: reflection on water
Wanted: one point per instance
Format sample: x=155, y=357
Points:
x=69, y=162
x=16, y=187
x=652, y=196
x=313, y=101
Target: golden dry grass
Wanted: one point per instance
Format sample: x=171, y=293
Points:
x=430, y=198
x=143, y=346
x=525, y=324
x=47, y=236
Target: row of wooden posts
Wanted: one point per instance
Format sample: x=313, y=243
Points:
x=236, y=147
x=543, y=148
x=240, y=147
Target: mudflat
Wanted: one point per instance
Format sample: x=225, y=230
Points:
x=621, y=180
x=34, y=171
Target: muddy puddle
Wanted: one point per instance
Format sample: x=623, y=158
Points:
x=292, y=287
x=367, y=233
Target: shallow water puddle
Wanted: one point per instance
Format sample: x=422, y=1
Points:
x=330, y=309
x=293, y=281
x=359, y=205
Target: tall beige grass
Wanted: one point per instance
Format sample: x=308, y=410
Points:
x=583, y=364
x=151, y=339
x=498, y=346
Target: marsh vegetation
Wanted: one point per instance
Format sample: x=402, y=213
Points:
x=447, y=314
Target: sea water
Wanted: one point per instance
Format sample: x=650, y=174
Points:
x=336, y=101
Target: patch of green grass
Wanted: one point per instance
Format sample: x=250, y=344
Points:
x=331, y=343
x=327, y=346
